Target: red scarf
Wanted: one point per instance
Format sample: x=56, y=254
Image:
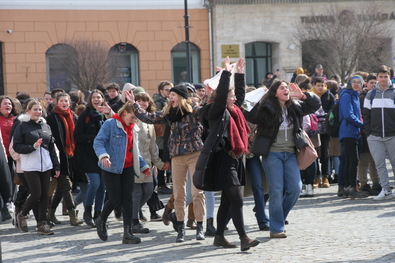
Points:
x=68, y=122
x=238, y=131
x=129, y=146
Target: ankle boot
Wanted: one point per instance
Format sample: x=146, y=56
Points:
x=166, y=214
x=101, y=228
x=181, y=231
x=199, y=231
x=88, y=216
x=96, y=214
x=210, y=229
x=51, y=216
x=220, y=241
x=247, y=243
x=128, y=237
x=74, y=221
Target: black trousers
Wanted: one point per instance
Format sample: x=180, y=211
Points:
x=119, y=188
x=350, y=148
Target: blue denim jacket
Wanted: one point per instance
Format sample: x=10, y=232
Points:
x=111, y=142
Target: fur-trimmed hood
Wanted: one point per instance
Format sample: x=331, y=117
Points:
x=26, y=117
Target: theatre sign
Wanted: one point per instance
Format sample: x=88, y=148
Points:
x=347, y=15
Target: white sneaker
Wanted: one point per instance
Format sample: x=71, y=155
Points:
x=10, y=207
x=383, y=195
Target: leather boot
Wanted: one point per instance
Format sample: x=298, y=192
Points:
x=210, y=229
x=220, y=241
x=181, y=231
x=247, y=243
x=173, y=219
x=101, y=228
x=88, y=216
x=165, y=216
x=96, y=214
x=128, y=237
x=199, y=231
x=74, y=221
x=51, y=216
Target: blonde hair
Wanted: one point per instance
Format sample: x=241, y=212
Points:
x=126, y=107
x=184, y=106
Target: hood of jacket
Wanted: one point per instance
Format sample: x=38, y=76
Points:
x=26, y=117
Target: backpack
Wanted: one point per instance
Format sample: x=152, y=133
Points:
x=313, y=125
x=332, y=120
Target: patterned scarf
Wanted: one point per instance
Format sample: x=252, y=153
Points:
x=238, y=131
x=68, y=123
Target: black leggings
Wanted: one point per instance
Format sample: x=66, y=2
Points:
x=38, y=183
x=231, y=202
x=119, y=189
x=22, y=194
x=309, y=174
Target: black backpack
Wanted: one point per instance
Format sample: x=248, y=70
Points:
x=332, y=120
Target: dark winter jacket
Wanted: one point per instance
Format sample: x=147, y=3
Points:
x=263, y=114
x=26, y=135
x=86, y=129
x=379, y=112
x=57, y=128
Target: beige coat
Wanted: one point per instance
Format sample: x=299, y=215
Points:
x=148, y=149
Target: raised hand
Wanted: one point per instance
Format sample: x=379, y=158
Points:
x=296, y=91
x=105, y=109
x=240, y=64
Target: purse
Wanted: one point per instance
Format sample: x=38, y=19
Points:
x=307, y=155
x=260, y=146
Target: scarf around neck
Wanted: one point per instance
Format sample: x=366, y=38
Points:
x=129, y=135
x=175, y=115
x=318, y=94
x=238, y=131
x=68, y=122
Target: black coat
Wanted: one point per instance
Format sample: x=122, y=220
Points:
x=86, y=129
x=215, y=168
x=58, y=133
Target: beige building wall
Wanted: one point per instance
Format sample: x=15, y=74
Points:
x=153, y=32
x=239, y=24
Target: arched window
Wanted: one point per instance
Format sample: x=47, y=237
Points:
x=258, y=62
x=57, y=72
x=124, y=64
x=179, y=63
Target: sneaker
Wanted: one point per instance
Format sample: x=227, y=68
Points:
x=165, y=190
x=139, y=229
x=44, y=229
x=370, y=191
x=156, y=217
x=384, y=195
x=353, y=193
x=22, y=224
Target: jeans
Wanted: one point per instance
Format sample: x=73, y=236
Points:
x=95, y=191
x=282, y=172
x=335, y=160
x=82, y=194
x=254, y=168
x=380, y=148
x=210, y=203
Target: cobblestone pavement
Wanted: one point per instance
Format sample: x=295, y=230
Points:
x=324, y=228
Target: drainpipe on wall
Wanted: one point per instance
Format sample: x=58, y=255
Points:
x=207, y=5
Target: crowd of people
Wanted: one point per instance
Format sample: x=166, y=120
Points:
x=121, y=148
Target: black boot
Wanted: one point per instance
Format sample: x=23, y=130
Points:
x=173, y=219
x=199, y=231
x=181, y=231
x=101, y=228
x=128, y=237
x=96, y=214
x=88, y=216
x=210, y=229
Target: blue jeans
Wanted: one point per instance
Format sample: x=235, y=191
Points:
x=254, y=168
x=95, y=191
x=210, y=203
x=283, y=174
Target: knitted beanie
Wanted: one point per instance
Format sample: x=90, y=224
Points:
x=180, y=90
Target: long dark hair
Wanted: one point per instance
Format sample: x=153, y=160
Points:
x=270, y=97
